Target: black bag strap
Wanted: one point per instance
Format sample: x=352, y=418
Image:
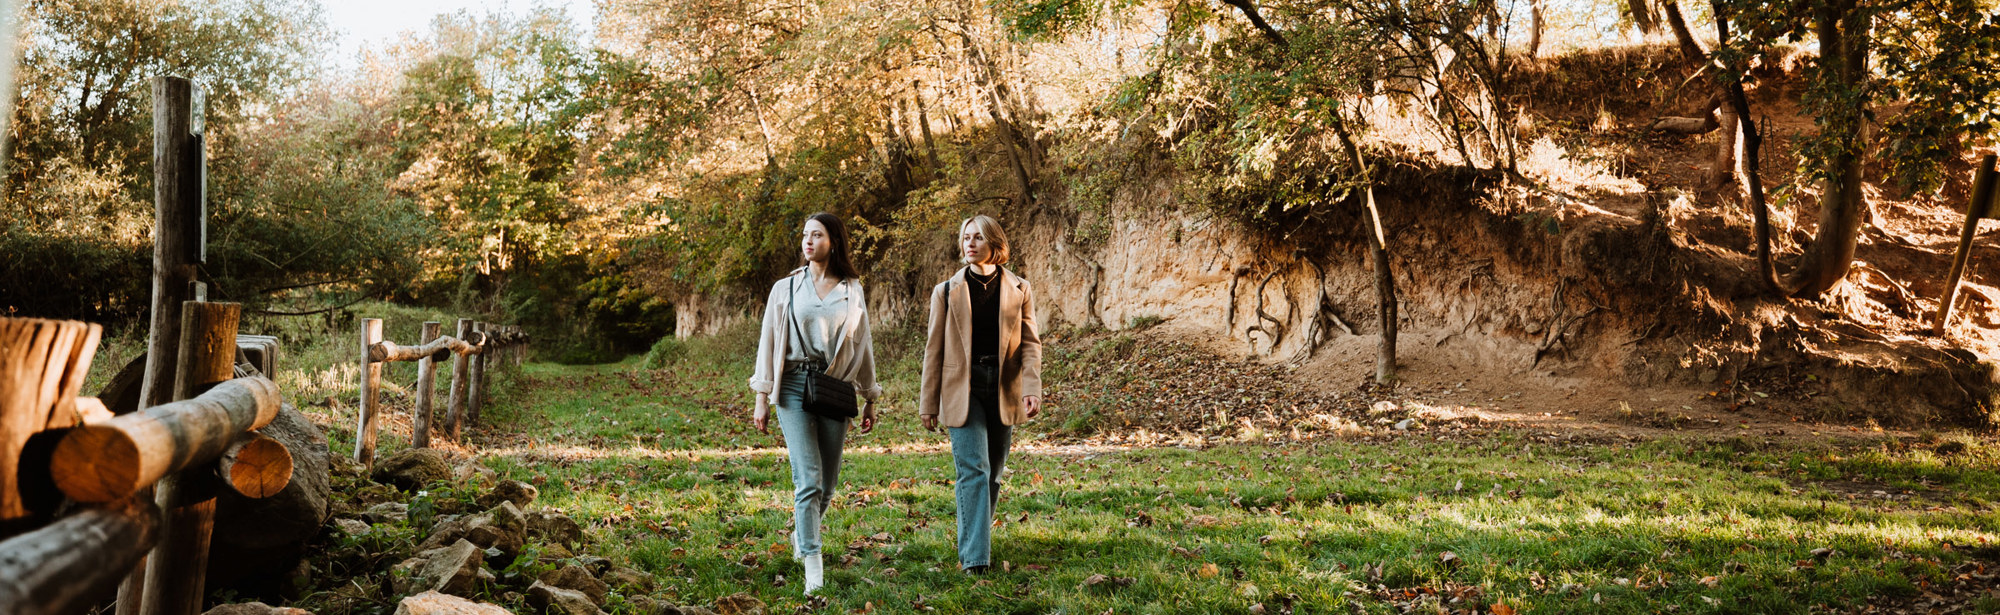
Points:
x=792, y=315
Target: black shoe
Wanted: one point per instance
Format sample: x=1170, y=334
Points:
x=975, y=570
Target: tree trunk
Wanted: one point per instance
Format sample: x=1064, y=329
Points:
x=1378, y=258
x=1642, y=16
x=1690, y=48
x=1844, y=42
x=1535, y=27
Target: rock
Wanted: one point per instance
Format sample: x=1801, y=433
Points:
x=472, y=473
x=452, y=570
x=434, y=603
x=255, y=608
x=551, y=599
x=352, y=527
x=412, y=468
x=504, y=528
x=446, y=531
x=554, y=527
x=648, y=605
x=387, y=512
x=622, y=577
x=739, y=604
x=596, y=565
x=258, y=542
x=574, y=577
x=555, y=551
x=520, y=493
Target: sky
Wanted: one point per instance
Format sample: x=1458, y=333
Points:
x=376, y=22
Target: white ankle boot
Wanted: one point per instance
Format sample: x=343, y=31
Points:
x=815, y=573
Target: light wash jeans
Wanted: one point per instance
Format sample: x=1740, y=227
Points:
x=979, y=449
x=813, y=443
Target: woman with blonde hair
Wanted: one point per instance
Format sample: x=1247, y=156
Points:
x=982, y=376
x=814, y=354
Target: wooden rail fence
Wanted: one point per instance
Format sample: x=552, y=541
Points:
x=476, y=345
x=94, y=505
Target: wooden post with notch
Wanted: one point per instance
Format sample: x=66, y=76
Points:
x=1978, y=207
x=420, y=430
x=176, y=571
x=371, y=393
x=180, y=223
x=461, y=368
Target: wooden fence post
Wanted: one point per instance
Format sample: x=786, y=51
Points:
x=371, y=392
x=476, y=395
x=460, y=370
x=179, y=231
x=420, y=432
x=176, y=571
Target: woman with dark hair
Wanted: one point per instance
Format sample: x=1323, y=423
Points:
x=815, y=339
x=982, y=376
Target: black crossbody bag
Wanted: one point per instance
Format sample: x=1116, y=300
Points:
x=826, y=395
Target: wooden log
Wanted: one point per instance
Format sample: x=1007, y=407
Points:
x=180, y=224
x=371, y=392
x=255, y=465
x=461, y=370
x=388, y=352
x=42, y=363
x=108, y=461
x=420, y=428
x=476, y=397
x=175, y=569
x=68, y=566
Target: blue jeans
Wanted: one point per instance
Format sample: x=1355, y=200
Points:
x=979, y=449
x=813, y=443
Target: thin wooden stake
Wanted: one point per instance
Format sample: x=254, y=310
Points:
x=476, y=397
x=1983, y=187
x=420, y=431
x=371, y=392
x=461, y=369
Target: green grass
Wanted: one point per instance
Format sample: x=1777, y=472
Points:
x=664, y=469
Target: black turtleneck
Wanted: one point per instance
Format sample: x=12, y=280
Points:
x=985, y=294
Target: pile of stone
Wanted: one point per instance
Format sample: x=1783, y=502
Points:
x=455, y=563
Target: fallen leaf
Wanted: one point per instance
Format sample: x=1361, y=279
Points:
x=1209, y=570
x=1502, y=609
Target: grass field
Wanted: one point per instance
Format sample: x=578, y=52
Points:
x=662, y=466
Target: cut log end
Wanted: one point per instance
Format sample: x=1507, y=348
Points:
x=97, y=464
x=256, y=466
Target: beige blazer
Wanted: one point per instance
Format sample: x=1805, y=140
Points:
x=853, y=351
x=947, y=386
